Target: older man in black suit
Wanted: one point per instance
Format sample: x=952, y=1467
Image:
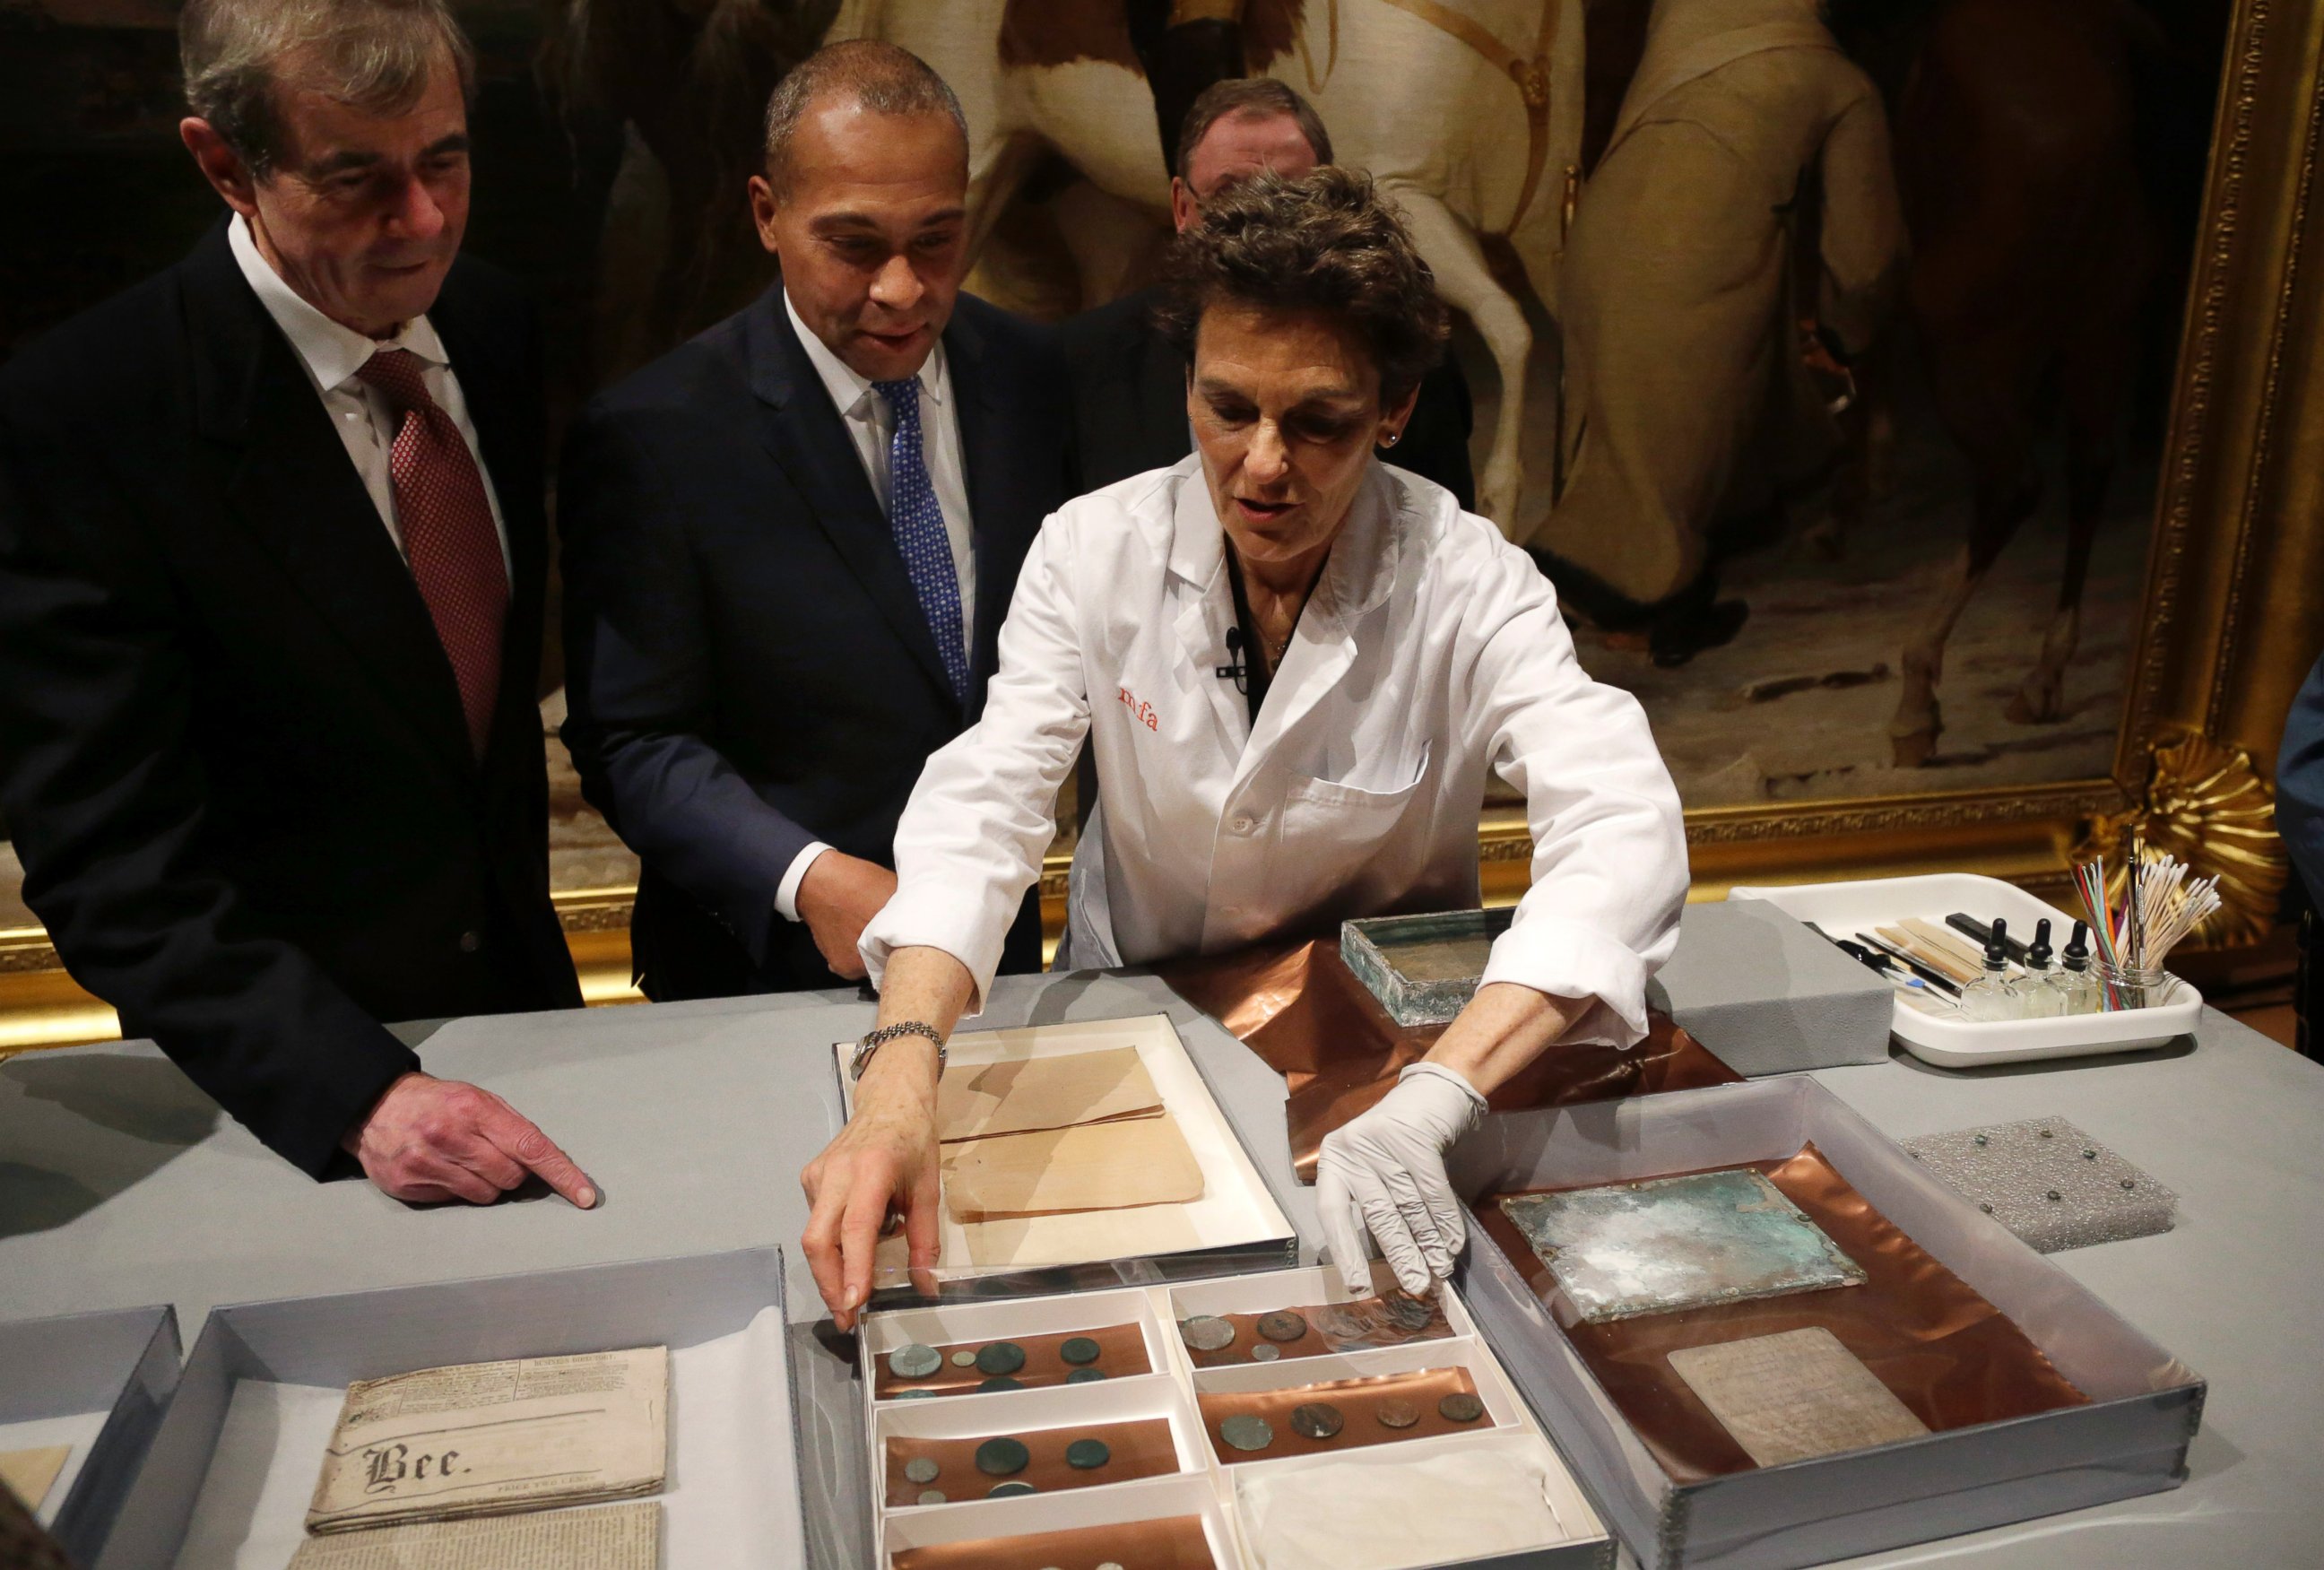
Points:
x=790, y=545
x=271, y=567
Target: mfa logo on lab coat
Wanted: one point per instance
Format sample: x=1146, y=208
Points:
x=1143, y=712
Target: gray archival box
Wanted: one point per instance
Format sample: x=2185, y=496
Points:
x=122, y=1364
x=2130, y=1439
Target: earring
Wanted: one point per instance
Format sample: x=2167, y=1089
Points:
x=1393, y=438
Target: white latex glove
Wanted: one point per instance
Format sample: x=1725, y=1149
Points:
x=1385, y=1172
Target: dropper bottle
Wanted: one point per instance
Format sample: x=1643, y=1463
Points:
x=2039, y=986
x=2076, y=983
x=1991, y=997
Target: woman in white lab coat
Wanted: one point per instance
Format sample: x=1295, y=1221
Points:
x=1296, y=668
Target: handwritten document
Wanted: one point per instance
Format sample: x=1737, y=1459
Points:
x=619, y=1538
x=1789, y=1397
x=490, y=1438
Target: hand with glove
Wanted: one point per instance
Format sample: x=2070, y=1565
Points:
x=1385, y=1172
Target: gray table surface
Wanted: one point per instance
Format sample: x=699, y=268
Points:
x=121, y=1185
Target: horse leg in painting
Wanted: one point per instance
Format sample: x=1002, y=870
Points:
x=2026, y=261
x=2096, y=375
x=1451, y=250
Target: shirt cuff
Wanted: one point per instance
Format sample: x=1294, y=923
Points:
x=1571, y=959
x=787, y=891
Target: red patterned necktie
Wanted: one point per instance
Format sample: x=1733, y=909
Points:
x=448, y=537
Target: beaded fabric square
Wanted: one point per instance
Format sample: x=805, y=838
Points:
x=2048, y=1182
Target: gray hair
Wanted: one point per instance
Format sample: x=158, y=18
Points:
x=373, y=54
x=881, y=77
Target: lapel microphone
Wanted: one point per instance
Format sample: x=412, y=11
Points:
x=1236, y=669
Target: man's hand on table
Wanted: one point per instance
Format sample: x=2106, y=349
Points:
x=429, y=1140
x=837, y=899
x=884, y=1159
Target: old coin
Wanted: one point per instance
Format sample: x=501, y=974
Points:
x=1008, y=1490
x=931, y=1496
x=1264, y=1352
x=1285, y=1326
x=1247, y=1433
x=998, y=1383
x=1082, y=1376
x=965, y=1358
x=1316, y=1420
x=1088, y=1454
x=1208, y=1333
x=914, y=1362
x=1338, y=1327
x=1003, y=1357
x=1407, y=1313
x=1393, y=1413
x=921, y=1469
x=1079, y=1350
x=1000, y=1457
x=1459, y=1407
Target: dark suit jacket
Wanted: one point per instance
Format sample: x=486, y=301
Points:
x=2300, y=783
x=747, y=668
x=234, y=761
x=1130, y=406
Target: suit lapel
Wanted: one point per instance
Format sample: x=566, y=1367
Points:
x=805, y=435
x=291, y=484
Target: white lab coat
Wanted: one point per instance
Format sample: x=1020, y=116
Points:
x=1430, y=653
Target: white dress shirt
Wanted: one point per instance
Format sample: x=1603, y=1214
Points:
x=1429, y=656
x=332, y=353
x=871, y=426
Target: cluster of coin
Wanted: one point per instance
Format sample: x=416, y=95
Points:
x=1003, y=1457
x=998, y=1360
x=1208, y=1333
x=1322, y=1420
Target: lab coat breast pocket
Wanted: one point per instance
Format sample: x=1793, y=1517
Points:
x=1344, y=847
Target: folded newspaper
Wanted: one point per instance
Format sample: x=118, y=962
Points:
x=491, y=1438
x=622, y=1537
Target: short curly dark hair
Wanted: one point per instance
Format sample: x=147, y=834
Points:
x=1327, y=242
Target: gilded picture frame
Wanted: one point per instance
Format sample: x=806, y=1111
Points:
x=2233, y=607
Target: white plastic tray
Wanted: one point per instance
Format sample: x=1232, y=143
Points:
x=1841, y=909
x=1205, y=1484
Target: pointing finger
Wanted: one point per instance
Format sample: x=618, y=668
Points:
x=518, y=1135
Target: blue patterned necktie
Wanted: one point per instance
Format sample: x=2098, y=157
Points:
x=918, y=522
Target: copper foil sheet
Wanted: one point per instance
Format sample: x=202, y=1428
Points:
x=1308, y=1016
x=1173, y=1543
x=1362, y=1326
x=1142, y=1448
x=1359, y=1401
x=1121, y=1352
x=1952, y=1358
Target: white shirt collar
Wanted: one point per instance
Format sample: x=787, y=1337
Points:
x=849, y=391
x=332, y=352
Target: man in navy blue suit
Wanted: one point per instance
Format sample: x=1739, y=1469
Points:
x=790, y=545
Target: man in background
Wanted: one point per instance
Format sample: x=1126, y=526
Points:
x=790, y=543
x=272, y=572
x=1130, y=384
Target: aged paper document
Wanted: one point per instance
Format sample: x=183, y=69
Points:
x=1021, y=1093
x=1095, y=1166
x=1789, y=1397
x=489, y=1439
x=29, y=1474
x=618, y=1538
